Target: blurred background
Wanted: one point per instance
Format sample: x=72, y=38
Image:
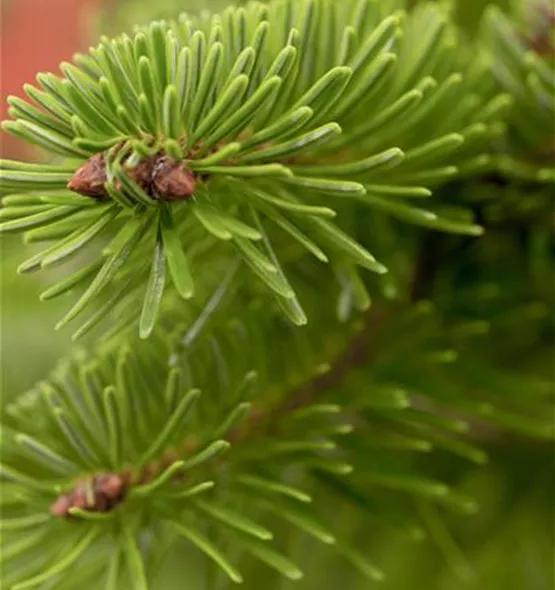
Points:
x=509, y=545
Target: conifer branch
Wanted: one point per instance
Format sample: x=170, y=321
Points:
x=269, y=135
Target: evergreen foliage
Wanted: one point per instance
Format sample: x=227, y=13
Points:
x=270, y=222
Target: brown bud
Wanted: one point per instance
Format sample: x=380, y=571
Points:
x=61, y=506
x=141, y=174
x=89, y=180
x=110, y=485
x=108, y=490
x=171, y=181
x=79, y=497
x=159, y=176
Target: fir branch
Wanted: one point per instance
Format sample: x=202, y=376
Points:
x=163, y=122
x=230, y=133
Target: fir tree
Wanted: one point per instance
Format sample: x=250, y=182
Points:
x=293, y=237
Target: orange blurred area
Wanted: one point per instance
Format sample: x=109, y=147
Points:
x=35, y=36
